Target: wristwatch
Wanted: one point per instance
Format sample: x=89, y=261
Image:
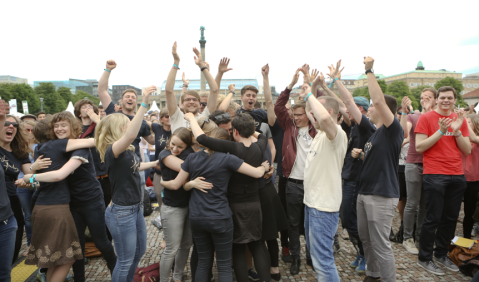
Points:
x=370, y=71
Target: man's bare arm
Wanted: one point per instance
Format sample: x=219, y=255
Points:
x=268, y=98
x=170, y=83
x=214, y=90
x=105, y=98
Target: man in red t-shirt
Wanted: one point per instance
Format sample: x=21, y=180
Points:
x=441, y=135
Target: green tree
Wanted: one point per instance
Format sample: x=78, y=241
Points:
x=24, y=92
x=454, y=83
x=5, y=92
x=416, y=93
x=65, y=93
x=52, y=101
x=399, y=89
x=384, y=86
x=362, y=92
x=82, y=94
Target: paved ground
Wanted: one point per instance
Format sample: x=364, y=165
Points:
x=406, y=267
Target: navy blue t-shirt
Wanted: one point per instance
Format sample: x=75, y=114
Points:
x=161, y=139
x=174, y=198
x=5, y=209
x=53, y=193
x=379, y=175
x=358, y=136
x=124, y=176
x=258, y=115
x=12, y=167
x=216, y=170
x=83, y=184
x=144, y=129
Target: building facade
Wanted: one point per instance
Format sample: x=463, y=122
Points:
x=89, y=86
x=117, y=91
x=12, y=79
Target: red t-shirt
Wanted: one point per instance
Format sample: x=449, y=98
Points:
x=443, y=157
x=413, y=157
x=470, y=164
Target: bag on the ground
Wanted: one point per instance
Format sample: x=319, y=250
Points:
x=470, y=267
x=91, y=250
x=460, y=254
x=147, y=274
x=147, y=209
x=399, y=236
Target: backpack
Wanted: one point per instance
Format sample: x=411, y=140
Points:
x=147, y=209
x=147, y=274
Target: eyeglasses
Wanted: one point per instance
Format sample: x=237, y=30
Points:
x=190, y=100
x=166, y=116
x=207, y=120
x=29, y=130
x=222, y=116
x=203, y=104
x=15, y=124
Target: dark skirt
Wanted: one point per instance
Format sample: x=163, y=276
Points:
x=54, y=237
x=246, y=221
x=274, y=217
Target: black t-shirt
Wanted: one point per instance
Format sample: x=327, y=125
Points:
x=174, y=198
x=100, y=168
x=358, y=136
x=161, y=139
x=12, y=167
x=258, y=115
x=216, y=170
x=83, y=184
x=379, y=175
x=144, y=129
x=53, y=193
x=267, y=156
x=124, y=176
x=5, y=209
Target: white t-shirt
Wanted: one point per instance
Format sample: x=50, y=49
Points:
x=303, y=142
x=178, y=119
x=322, y=183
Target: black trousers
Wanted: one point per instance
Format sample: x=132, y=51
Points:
x=443, y=202
x=18, y=213
x=470, y=200
x=282, y=196
x=106, y=187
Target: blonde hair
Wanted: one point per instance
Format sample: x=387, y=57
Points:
x=108, y=131
x=475, y=122
x=207, y=127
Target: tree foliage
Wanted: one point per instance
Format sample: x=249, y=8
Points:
x=66, y=94
x=399, y=89
x=52, y=101
x=20, y=92
x=454, y=83
x=82, y=94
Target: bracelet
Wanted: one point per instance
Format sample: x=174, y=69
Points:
x=362, y=153
x=403, y=113
x=439, y=130
x=32, y=179
x=185, y=85
x=176, y=66
x=460, y=133
x=311, y=84
x=331, y=85
x=306, y=99
x=107, y=70
x=144, y=105
x=233, y=92
x=204, y=68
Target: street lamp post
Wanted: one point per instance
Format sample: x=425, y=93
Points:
x=41, y=104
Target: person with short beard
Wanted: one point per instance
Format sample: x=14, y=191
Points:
x=441, y=136
x=191, y=99
x=128, y=106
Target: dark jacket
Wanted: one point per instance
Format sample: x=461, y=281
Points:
x=290, y=132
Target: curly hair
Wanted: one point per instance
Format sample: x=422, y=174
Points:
x=79, y=104
x=19, y=143
x=75, y=124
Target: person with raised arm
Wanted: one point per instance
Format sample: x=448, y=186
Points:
x=360, y=129
x=190, y=99
x=378, y=181
x=322, y=180
x=127, y=106
x=441, y=136
x=416, y=202
x=124, y=216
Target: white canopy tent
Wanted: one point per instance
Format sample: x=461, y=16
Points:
x=70, y=108
x=154, y=107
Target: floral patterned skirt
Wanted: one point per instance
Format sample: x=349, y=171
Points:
x=54, y=237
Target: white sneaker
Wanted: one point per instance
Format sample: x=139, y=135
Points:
x=410, y=246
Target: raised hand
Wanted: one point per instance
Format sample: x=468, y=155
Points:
x=265, y=70
x=147, y=92
x=355, y=152
x=334, y=72
x=405, y=104
x=223, y=67
x=207, y=65
x=185, y=81
x=175, y=54
x=444, y=124
x=198, y=58
x=201, y=185
x=4, y=108
x=231, y=87
x=305, y=90
x=305, y=70
x=314, y=74
x=93, y=116
x=368, y=63
x=110, y=65
x=457, y=122
x=295, y=79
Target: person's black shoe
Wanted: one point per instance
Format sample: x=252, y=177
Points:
x=85, y=261
x=310, y=263
x=286, y=257
x=276, y=276
x=391, y=235
x=295, y=266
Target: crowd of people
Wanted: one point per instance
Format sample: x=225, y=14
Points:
x=211, y=162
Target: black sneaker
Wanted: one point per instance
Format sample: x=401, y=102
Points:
x=430, y=266
x=295, y=266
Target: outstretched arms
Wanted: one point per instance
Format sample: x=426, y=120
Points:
x=268, y=98
x=344, y=93
x=377, y=96
x=56, y=175
x=209, y=78
x=170, y=83
x=103, y=84
x=222, y=68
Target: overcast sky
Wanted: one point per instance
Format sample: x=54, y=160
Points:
x=57, y=40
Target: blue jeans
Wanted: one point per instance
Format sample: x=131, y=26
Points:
x=8, y=229
x=349, y=218
x=212, y=235
x=25, y=196
x=92, y=214
x=128, y=229
x=320, y=228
